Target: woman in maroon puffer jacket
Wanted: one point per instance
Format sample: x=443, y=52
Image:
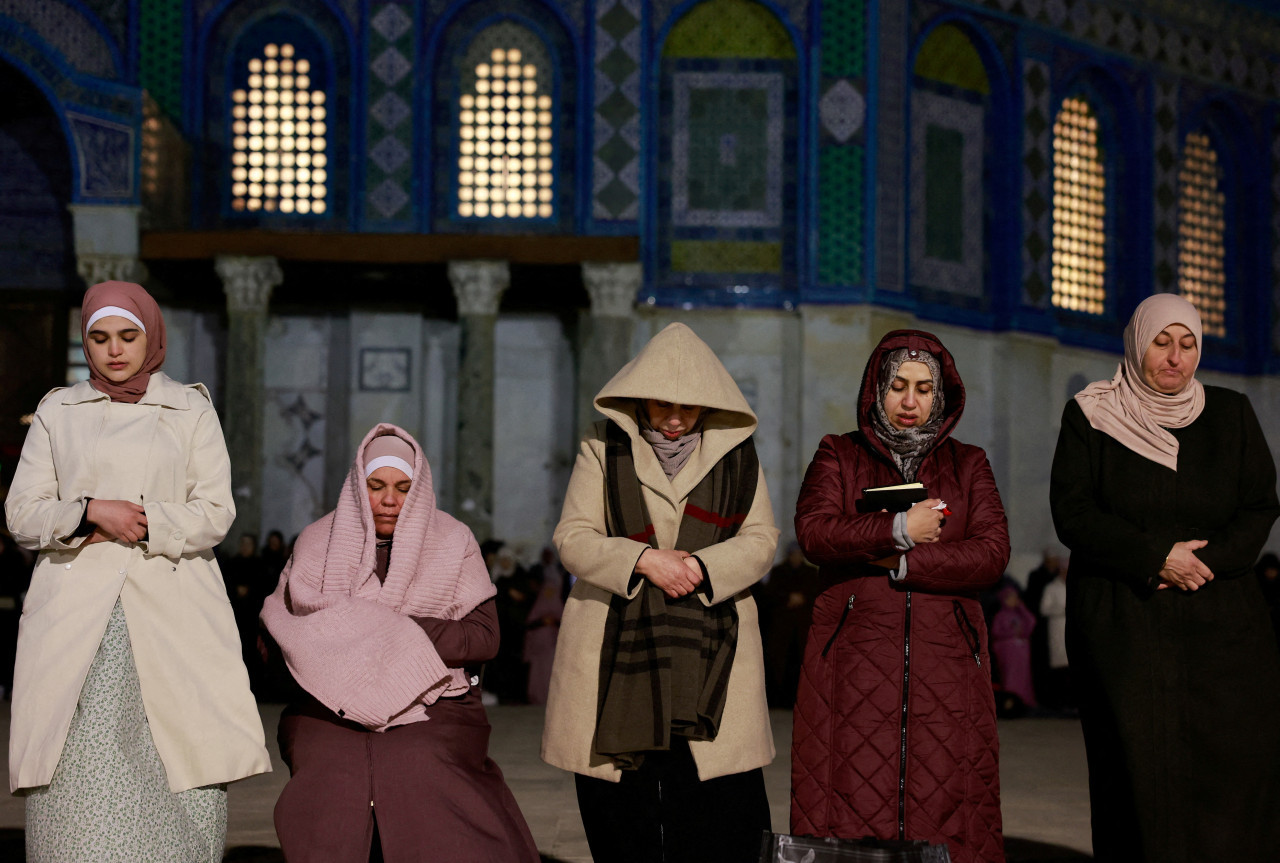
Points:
x=895, y=724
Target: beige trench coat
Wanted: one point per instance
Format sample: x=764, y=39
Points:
x=166, y=452
x=675, y=366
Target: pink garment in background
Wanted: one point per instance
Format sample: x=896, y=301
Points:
x=542, y=630
x=1011, y=643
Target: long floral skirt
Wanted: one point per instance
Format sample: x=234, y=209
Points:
x=109, y=800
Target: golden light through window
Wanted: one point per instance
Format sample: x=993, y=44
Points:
x=278, y=124
x=1202, y=277
x=1079, y=211
x=504, y=163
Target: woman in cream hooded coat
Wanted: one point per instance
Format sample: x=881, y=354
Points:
x=106, y=780
x=651, y=802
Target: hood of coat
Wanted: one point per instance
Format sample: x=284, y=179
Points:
x=952, y=386
x=678, y=367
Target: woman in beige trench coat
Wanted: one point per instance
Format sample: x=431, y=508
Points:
x=131, y=705
x=674, y=776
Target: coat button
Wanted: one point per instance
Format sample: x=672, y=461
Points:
x=123, y=571
x=68, y=566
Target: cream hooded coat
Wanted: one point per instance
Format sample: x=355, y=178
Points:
x=676, y=366
x=166, y=452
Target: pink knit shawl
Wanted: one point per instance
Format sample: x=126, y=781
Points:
x=349, y=640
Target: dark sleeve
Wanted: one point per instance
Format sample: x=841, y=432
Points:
x=825, y=530
x=1083, y=523
x=977, y=560
x=1233, y=550
x=471, y=640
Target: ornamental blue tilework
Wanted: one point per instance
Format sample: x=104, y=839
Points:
x=1037, y=183
x=1223, y=42
x=616, y=128
x=389, y=129
x=67, y=31
x=106, y=156
x=1165, y=150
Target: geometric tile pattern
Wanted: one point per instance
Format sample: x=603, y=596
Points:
x=1037, y=182
x=727, y=139
x=615, y=164
x=842, y=110
x=945, y=221
x=1220, y=41
x=1165, y=183
x=842, y=145
x=891, y=149
x=106, y=152
x=841, y=214
x=389, y=127
x=794, y=11
x=160, y=53
x=66, y=30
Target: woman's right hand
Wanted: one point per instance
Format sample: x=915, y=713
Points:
x=667, y=569
x=1182, y=569
x=924, y=523
x=118, y=519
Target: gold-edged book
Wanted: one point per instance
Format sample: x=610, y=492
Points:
x=894, y=498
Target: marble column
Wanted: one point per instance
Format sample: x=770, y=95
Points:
x=478, y=287
x=605, y=346
x=96, y=267
x=248, y=283
x=106, y=242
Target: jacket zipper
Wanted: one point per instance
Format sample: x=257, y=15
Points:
x=840, y=625
x=966, y=629
x=902, y=746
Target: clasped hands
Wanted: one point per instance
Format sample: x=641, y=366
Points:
x=924, y=524
x=675, y=573
x=116, y=519
x=1182, y=569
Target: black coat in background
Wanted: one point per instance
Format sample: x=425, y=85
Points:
x=1180, y=691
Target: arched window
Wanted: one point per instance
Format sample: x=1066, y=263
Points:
x=950, y=103
x=1201, y=224
x=506, y=146
x=279, y=135
x=1079, y=210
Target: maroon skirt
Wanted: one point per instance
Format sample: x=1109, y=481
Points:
x=431, y=786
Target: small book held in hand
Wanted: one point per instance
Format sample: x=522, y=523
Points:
x=894, y=498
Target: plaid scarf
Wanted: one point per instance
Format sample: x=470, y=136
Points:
x=664, y=666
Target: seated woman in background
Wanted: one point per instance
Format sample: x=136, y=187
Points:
x=381, y=610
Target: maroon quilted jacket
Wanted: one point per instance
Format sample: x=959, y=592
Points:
x=895, y=724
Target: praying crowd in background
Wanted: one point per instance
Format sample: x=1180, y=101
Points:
x=1026, y=621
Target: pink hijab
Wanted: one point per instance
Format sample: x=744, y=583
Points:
x=116, y=297
x=1129, y=410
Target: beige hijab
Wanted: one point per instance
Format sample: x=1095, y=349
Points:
x=1129, y=410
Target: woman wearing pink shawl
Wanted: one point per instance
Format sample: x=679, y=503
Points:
x=1165, y=491
x=382, y=613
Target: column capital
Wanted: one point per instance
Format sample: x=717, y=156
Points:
x=248, y=281
x=95, y=267
x=478, y=285
x=612, y=287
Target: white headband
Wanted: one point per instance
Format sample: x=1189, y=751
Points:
x=389, y=461
x=109, y=311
